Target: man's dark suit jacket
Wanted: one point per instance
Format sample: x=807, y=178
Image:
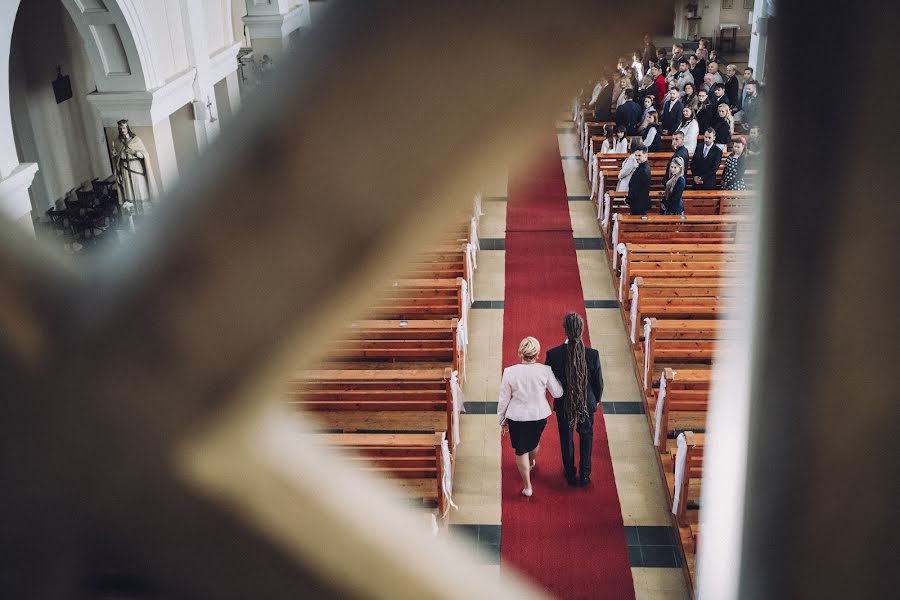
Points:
x=717, y=100
x=732, y=91
x=698, y=73
x=558, y=357
x=638, y=199
x=705, y=167
x=705, y=117
x=603, y=106
x=629, y=115
x=671, y=119
x=685, y=156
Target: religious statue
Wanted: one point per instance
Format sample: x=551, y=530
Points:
x=132, y=168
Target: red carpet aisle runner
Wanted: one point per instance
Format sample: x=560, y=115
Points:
x=568, y=540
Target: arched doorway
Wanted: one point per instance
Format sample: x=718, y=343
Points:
x=98, y=46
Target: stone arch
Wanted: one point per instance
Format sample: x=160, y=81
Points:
x=117, y=43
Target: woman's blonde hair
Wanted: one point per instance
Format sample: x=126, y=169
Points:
x=529, y=348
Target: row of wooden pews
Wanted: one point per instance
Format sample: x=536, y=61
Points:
x=388, y=394
x=677, y=278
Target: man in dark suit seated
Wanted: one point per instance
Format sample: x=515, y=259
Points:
x=679, y=151
x=671, y=112
x=706, y=162
x=629, y=114
x=638, y=199
x=577, y=367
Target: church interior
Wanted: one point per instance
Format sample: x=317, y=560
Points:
x=271, y=269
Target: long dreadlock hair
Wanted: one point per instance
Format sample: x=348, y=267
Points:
x=576, y=370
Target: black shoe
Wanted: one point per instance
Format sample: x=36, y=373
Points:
x=571, y=479
x=584, y=482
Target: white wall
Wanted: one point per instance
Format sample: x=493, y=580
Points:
x=238, y=10
x=166, y=29
x=219, y=25
x=66, y=140
x=184, y=137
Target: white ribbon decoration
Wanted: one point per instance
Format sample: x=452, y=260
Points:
x=601, y=186
x=467, y=290
x=634, y=310
x=456, y=394
x=447, y=480
x=623, y=250
x=434, y=526
x=680, y=465
x=660, y=401
x=470, y=249
x=647, y=329
x=615, y=240
x=462, y=328
x=473, y=233
x=607, y=209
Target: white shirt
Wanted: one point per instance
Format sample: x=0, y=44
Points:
x=523, y=392
x=691, y=131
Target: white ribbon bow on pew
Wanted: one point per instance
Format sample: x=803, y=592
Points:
x=615, y=240
x=634, y=309
x=647, y=329
x=607, y=208
x=447, y=479
x=660, y=400
x=680, y=465
x=456, y=394
x=623, y=250
x=468, y=287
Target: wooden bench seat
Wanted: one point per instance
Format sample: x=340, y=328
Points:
x=421, y=298
x=696, y=202
x=396, y=344
x=685, y=481
x=681, y=404
x=406, y=400
x=676, y=260
x=418, y=465
x=685, y=229
x=671, y=343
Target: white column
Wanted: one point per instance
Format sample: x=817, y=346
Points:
x=758, y=39
x=270, y=24
x=198, y=57
x=15, y=202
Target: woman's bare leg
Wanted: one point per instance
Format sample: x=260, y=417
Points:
x=524, y=466
x=533, y=454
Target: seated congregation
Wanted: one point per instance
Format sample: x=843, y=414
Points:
x=672, y=178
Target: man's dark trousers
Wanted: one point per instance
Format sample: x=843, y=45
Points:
x=585, y=431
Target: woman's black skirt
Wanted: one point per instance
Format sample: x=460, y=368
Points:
x=525, y=435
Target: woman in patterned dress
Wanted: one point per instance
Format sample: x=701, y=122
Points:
x=735, y=165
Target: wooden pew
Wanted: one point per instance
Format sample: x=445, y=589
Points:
x=419, y=465
x=431, y=298
x=607, y=178
x=681, y=404
x=676, y=260
x=685, y=229
x=419, y=343
x=406, y=400
x=674, y=343
x=687, y=459
x=696, y=202
x=648, y=292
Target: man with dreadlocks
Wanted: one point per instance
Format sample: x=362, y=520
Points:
x=578, y=369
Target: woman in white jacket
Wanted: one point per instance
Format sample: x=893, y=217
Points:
x=628, y=167
x=523, y=408
x=690, y=129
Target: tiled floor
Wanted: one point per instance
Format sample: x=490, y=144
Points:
x=476, y=487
